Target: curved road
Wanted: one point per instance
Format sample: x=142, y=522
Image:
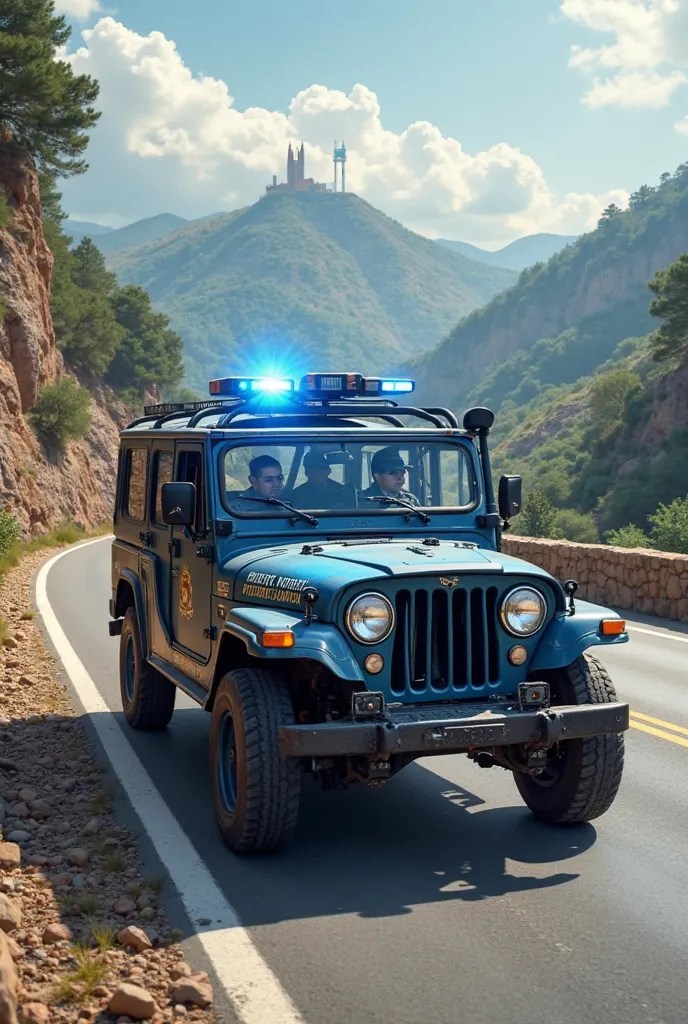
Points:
x=439, y=899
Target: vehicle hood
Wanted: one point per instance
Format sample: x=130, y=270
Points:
x=277, y=577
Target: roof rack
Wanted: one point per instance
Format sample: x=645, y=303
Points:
x=288, y=407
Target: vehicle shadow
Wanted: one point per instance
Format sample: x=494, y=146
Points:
x=375, y=853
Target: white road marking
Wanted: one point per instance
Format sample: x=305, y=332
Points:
x=254, y=991
x=654, y=632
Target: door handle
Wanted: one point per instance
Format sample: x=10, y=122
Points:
x=174, y=572
x=146, y=537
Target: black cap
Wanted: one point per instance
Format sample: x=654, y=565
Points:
x=315, y=460
x=387, y=460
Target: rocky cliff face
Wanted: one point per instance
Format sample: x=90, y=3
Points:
x=604, y=275
x=39, y=488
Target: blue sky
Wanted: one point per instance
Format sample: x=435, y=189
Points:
x=487, y=73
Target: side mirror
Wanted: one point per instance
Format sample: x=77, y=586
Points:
x=178, y=504
x=510, y=496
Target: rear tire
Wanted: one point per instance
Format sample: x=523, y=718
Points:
x=147, y=696
x=255, y=790
x=582, y=782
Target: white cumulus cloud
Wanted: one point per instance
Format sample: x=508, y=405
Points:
x=171, y=140
x=77, y=8
x=645, y=60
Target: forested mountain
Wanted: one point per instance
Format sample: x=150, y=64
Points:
x=585, y=363
x=517, y=255
x=563, y=318
x=310, y=278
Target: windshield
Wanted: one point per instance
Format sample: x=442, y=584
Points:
x=347, y=476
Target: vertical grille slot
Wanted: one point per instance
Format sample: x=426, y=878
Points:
x=445, y=641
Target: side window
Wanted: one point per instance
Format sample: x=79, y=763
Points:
x=455, y=470
x=190, y=470
x=135, y=483
x=162, y=474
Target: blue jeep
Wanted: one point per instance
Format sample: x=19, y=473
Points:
x=319, y=567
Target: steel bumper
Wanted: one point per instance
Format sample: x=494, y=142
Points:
x=452, y=729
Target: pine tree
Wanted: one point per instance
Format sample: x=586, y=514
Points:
x=44, y=105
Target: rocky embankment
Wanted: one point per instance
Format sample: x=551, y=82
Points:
x=651, y=582
x=39, y=487
x=83, y=933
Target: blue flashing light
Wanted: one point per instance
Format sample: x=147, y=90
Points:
x=230, y=387
x=388, y=386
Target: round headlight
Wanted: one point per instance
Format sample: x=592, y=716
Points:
x=523, y=611
x=370, y=618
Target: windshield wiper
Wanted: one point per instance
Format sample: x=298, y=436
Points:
x=387, y=499
x=290, y=508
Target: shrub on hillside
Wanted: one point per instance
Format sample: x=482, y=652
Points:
x=538, y=515
x=670, y=527
x=9, y=532
x=629, y=536
x=575, y=526
x=62, y=412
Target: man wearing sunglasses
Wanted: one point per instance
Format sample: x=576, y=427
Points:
x=389, y=474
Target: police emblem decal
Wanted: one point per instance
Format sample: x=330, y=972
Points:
x=186, y=594
x=449, y=582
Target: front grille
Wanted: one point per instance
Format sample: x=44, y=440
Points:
x=445, y=641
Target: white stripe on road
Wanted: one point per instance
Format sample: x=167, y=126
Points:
x=252, y=988
x=654, y=632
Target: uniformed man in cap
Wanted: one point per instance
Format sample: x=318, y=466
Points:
x=389, y=476
x=320, y=491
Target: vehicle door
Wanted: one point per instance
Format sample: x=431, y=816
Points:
x=191, y=560
x=162, y=468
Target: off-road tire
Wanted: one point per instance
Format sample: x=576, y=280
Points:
x=592, y=768
x=150, y=703
x=267, y=786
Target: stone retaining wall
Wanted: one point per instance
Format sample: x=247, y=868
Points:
x=652, y=582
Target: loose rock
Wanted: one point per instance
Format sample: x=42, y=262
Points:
x=10, y=856
x=10, y=913
x=135, y=937
x=56, y=933
x=77, y=856
x=35, y=1013
x=133, y=1001
x=124, y=905
x=8, y=983
x=190, y=990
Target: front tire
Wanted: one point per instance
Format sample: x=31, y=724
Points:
x=147, y=696
x=583, y=778
x=255, y=790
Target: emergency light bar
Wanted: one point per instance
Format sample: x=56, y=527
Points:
x=315, y=385
x=348, y=385
x=240, y=386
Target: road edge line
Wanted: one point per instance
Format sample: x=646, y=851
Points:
x=655, y=632
x=253, y=990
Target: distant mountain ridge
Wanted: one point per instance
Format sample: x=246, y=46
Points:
x=517, y=255
x=308, y=278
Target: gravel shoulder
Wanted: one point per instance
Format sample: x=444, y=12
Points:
x=85, y=929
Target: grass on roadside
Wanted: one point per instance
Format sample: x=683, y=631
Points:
x=63, y=535
x=78, y=985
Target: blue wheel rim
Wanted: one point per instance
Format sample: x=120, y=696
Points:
x=129, y=669
x=226, y=763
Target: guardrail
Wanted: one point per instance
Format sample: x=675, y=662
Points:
x=651, y=582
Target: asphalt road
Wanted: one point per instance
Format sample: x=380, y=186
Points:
x=439, y=899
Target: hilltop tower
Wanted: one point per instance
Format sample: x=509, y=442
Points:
x=340, y=160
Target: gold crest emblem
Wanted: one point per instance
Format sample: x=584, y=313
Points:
x=446, y=581
x=186, y=594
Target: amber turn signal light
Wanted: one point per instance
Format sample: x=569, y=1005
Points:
x=278, y=638
x=612, y=627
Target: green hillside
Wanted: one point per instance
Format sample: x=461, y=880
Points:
x=594, y=416
x=140, y=232
x=563, y=318
x=306, y=279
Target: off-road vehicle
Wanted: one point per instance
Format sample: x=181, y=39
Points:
x=318, y=565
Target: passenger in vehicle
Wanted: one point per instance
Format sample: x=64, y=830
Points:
x=389, y=476
x=266, y=479
x=319, y=491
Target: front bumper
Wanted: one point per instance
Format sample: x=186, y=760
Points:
x=452, y=728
